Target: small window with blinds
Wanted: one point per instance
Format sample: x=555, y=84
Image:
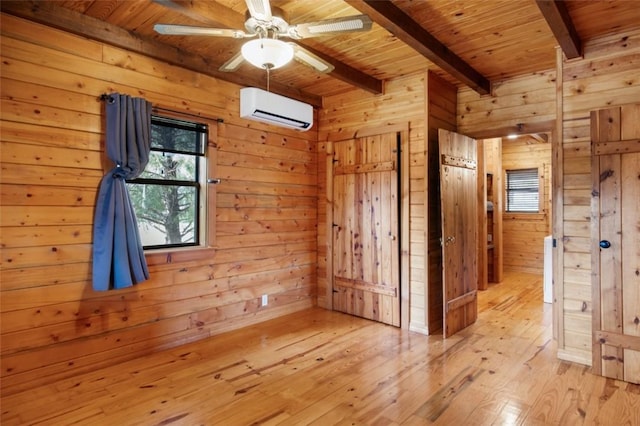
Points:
x=523, y=191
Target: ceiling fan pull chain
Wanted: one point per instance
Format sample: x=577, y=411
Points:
x=268, y=77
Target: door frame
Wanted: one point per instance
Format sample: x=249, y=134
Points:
x=554, y=129
x=403, y=196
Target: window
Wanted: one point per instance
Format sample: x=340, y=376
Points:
x=523, y=191
x=169, y=196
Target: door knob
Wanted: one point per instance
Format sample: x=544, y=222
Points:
x=605, y=244
x=447, y=241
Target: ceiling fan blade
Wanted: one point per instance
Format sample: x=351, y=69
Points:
x=330, y=26
x=302, y=55
x=170, y=29
x=259, y=9
x=233, y=63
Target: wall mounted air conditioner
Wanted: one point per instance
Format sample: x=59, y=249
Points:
x=260, y=105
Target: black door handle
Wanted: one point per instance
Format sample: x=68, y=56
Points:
x=605, y=244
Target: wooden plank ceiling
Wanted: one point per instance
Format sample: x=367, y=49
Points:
x=467, y=42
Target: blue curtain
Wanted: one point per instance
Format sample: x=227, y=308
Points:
x=118, y=258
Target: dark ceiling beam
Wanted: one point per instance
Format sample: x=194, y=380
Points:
x=348, y=74
x=49, y=14
x=217, y=15
x=401, y=25
x=557, y=16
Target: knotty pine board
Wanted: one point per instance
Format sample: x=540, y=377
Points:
x=442, y=100
x=605, y=77
x=523, y=234
x=52, y=140
x=344, y=114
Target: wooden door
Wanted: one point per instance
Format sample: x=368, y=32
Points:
x=615, y=204
x=366, y=267
x=458, y=198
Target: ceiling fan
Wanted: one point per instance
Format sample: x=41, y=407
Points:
x=265, y=26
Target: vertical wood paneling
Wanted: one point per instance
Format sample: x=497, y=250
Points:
x=403, y=102
x=459, y=195
x=602, y=79
x=493, y=159
x=441, y=107
x=53, y=324
x=557, y=204
x=482, y=267
x=366, y=240
x=325, y=228
x=615, y=222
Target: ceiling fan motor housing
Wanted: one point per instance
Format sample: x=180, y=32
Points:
x=276, y=25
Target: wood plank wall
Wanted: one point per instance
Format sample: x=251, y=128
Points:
x=52, y=324
x=607, y=76
x=523, y=234
x=495, y=255
x=528, y=103
x=524, y=104
x=405, y=100
x=402, y=102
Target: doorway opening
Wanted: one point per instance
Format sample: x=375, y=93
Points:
x=517, y=186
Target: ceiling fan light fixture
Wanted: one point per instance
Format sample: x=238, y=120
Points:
x=267, y=53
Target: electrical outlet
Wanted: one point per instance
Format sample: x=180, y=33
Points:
x=265, y=300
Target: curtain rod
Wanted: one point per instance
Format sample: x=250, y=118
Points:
x=186, y=114
x=108, y=98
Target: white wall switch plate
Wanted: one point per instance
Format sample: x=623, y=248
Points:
x=265, y=300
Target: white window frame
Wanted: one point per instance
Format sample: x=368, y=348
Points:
x=527, y=177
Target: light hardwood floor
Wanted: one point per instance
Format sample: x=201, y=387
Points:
x=323, y=368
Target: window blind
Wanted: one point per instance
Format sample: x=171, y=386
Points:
x=523, y=191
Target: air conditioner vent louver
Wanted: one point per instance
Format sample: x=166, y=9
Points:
x=260, y=105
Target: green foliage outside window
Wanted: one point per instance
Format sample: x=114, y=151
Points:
x=167, y=195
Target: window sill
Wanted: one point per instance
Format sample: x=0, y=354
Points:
x=523, y=216
x=176, y=255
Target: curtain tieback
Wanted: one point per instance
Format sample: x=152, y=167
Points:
x=119, y=172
